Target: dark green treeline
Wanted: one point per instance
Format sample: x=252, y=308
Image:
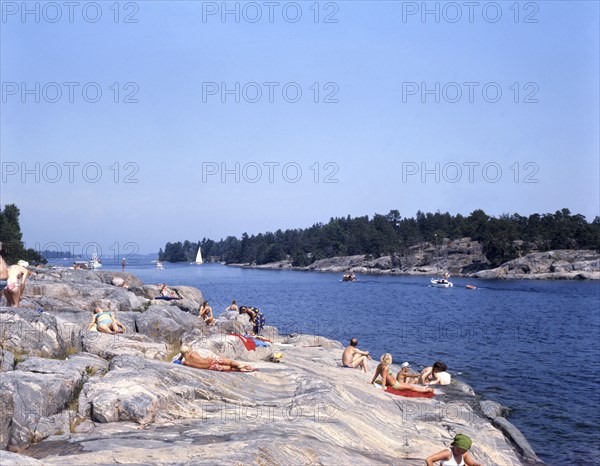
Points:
x=392, y=234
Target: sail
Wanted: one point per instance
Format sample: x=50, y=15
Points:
x=199, y=256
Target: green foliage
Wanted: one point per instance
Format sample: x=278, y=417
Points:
x=503, y=238
x=13, y=248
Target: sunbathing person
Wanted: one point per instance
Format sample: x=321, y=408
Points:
x=388, y=379
x=406, y=375
x=105, y=322
x=217, y=363
x=352, y=357
x=456, y=454
x=232, y=307
x=436, y=375
x=14, y=290
x=206, y=313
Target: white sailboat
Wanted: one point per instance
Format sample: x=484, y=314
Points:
x=199, y=256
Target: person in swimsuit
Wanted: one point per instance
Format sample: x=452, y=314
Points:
x=106, y=322
x=217, y=363
x=456, y=455
x=206, y=313
x=387, y=377
x=232, y=307
x=352, y=357
x=14, y=290
x=436, y=374
x=256, y=317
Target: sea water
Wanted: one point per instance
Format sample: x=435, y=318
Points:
x=533, y=346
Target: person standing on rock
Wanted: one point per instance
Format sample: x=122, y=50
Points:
x=123, y=262
x=256, y=317
x=456, y=455
x=354, y=358
x=192, y=359
x=14, y=290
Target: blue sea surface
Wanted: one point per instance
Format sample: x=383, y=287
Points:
x=533, y=346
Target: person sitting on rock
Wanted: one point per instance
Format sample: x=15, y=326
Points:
x=256, y=317
x=406, y=375
x=457, y=454
x=105, y=322
x=436, y=375
x=232, y=307
x=352, y=357
x=14, y=290
x=217, y=363
x=206, y=313
x=387, y=377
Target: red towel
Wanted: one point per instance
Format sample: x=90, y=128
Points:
x=409, y=393
x=248, y=342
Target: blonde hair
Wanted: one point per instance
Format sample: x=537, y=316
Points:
x=185, y=349
x=386, y=358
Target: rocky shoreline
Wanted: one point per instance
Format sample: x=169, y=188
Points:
x=70, y=397
x=464, y=259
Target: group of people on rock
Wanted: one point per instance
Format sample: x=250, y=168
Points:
x=405, y=379
x=257, y=318
x=354, y=358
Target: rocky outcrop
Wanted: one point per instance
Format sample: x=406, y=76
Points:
x=66, y=393
x=462, y=257
x=557, y=265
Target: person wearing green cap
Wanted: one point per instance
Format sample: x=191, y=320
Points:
x=456, y=455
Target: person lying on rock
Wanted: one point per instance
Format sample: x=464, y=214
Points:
x=168, y=292
x=217, y=363
x=352, y=357
x=206, y=313
x=457, y=454
x=256, y=317
x=388, y=379
x=436, y=375
x=14, y=290
x=105, y=322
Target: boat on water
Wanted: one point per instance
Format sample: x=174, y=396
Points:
x=159, y=265
x=442, y=280
x=198, y=257
x=95, y=262
x=441, y=283
x=349, y=277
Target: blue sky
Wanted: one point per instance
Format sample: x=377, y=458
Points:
x=149, y=170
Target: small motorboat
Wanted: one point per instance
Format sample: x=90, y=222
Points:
x=349, y=277
x=441, y=283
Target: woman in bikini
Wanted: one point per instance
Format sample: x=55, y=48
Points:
x=387, y=377
x=232, y=307
x=206, y=313
x=106, y=322
x=217, y=363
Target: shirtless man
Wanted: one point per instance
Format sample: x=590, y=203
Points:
x=352, y=357
x=14, y=290
x=217, y=363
